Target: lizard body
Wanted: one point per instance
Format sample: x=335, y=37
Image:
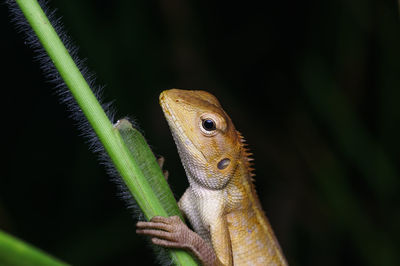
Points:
x=221, y=202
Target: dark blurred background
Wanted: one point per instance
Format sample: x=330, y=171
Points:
x=314, y=86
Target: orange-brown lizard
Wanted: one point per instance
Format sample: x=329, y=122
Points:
x=221, y=202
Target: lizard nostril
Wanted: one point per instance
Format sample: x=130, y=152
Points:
x=223, y=163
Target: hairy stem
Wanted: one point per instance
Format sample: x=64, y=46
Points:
x=110, y=137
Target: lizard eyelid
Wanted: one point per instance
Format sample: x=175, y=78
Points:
x=210, y=124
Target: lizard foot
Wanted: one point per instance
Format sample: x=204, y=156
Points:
x=171, y=232
x=166, y=231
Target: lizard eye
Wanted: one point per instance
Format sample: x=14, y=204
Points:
x=211, y=124
x=208, y=124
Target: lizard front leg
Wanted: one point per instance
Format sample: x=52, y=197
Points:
x=219, y=233
x=171, y=232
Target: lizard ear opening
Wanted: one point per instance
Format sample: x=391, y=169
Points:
x=223, y=163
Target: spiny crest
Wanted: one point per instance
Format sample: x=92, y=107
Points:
x=247, y=155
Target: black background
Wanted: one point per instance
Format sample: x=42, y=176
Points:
x=312, y=85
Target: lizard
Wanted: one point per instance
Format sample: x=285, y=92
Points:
x=221, y=203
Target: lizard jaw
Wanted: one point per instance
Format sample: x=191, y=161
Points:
x=182, y=141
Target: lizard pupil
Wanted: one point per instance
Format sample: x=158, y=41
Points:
x=208, y=124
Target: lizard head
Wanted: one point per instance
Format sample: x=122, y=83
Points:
x=207, y=141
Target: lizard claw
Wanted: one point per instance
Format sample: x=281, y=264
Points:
x=161, y=161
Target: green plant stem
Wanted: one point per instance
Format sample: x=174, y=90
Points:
x=143, y=155
x=109, y=137
x=16, y=252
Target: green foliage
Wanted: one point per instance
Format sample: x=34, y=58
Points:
x=14, y=252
